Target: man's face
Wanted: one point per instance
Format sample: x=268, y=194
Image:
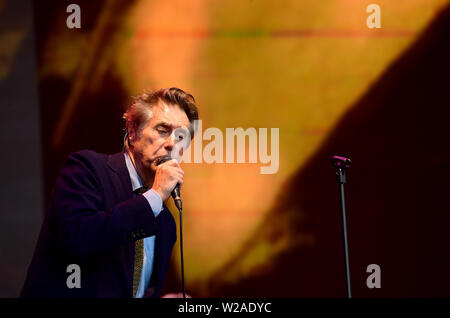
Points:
x=164, y=134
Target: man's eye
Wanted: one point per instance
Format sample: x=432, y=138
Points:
x=163, y=131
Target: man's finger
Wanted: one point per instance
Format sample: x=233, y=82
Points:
x=174, y=162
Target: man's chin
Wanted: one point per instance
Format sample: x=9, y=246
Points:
x=152, y=166
x=155, y=163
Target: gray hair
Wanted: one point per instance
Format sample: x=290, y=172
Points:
x=140, y=111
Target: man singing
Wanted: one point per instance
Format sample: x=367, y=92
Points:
x=106, y=214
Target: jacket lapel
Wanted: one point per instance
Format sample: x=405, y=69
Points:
x=120, y=176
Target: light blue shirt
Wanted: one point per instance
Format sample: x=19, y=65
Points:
x=155, y=202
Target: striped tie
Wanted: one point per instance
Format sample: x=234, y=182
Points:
x=138, y=253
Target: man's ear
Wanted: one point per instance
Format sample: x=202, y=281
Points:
x=131, y=136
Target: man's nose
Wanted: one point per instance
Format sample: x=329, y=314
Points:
x=170, y=143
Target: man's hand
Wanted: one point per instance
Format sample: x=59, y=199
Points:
x=168, y=175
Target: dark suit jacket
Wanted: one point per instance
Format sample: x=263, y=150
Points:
x=93, y=221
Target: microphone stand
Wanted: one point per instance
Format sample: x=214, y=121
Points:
x=177, y=200
x=181, y=247
x=341, y=164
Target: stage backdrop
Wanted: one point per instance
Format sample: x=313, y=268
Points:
x=312, y=69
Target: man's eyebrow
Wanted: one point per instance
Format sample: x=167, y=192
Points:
x=164, y=125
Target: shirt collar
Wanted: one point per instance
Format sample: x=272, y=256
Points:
x=136, y=182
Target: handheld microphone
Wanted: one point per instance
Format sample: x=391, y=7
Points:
x=176, y=191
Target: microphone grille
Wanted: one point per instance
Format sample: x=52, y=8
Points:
x=163, y=159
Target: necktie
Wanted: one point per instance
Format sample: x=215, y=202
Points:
x=138, y=253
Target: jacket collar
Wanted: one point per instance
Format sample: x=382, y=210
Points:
x=117, y=164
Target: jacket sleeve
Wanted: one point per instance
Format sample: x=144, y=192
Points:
x=84, y=226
